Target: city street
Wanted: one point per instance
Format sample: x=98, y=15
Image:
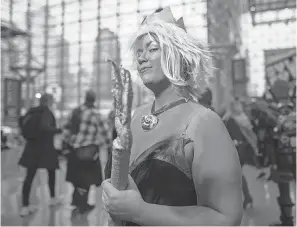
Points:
x=264, y=212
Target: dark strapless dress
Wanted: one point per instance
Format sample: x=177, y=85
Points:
x=162, y=174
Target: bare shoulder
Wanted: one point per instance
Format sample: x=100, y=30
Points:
x=204, y=120
x=212, y=142
x=210, y=136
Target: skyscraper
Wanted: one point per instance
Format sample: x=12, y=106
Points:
x=63, y=77
x=107, y=46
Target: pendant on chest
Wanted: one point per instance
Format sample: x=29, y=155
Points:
x=149, y=122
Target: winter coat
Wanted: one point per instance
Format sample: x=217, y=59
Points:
x=41, y=153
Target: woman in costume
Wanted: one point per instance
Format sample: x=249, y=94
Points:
x=241, y=131
x=184, y=168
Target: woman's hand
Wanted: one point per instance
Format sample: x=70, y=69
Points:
x=124, y=205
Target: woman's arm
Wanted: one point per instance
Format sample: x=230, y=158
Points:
x=182, y=216
x=217, y=177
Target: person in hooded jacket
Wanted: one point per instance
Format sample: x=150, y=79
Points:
x=40, y=153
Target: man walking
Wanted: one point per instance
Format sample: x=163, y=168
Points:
x=38, y=127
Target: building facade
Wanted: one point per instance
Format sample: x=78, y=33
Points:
x=107, y=46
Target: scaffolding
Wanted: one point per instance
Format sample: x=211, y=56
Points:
x=10, y=86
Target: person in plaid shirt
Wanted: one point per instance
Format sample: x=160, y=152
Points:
x=92, y=130
x=84, y=135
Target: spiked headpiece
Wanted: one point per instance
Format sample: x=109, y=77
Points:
x=165, y=15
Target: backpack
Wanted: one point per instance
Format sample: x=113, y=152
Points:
x=30, y=124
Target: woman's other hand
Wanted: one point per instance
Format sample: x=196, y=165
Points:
x=125, y=205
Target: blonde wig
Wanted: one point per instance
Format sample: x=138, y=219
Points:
x=185, y=60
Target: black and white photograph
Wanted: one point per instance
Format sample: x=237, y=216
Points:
x=148, y=112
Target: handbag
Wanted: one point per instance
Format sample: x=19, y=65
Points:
x=87, y=153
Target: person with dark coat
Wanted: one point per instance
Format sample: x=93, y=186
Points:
x=40, y=153
x=84, y=134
